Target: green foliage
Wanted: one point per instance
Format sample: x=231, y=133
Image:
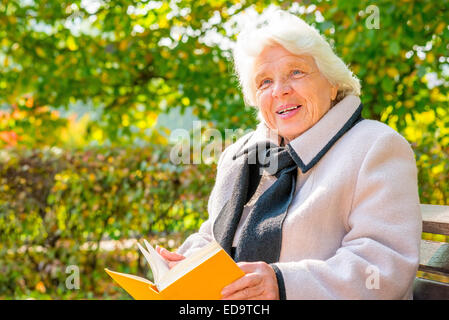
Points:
x=133, y=60
x=126, y=56
x=431, y=133
x=123, y=55
x=393, y=61
x=56, y=206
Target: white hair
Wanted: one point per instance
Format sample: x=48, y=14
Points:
x=296, y=36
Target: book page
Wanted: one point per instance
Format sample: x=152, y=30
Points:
x=188, y=264
x=158, y=265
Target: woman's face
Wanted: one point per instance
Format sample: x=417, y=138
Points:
x=291, y=93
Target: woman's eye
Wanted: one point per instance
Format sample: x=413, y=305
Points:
x=265, y=82
x=297, y=72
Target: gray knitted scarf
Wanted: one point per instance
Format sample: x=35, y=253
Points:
x=261, y=233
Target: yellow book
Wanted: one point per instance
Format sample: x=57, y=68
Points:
x=200, y=276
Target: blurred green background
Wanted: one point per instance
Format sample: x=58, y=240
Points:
x=91, y=90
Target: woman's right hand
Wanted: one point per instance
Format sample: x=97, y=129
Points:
x=172, y=258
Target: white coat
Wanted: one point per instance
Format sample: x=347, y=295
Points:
x=353, y=229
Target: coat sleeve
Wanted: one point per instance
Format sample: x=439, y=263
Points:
x=379, y=254
x=204, y=235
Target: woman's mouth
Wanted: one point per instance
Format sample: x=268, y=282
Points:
x=288, y=112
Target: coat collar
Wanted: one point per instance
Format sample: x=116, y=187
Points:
x=312, y=145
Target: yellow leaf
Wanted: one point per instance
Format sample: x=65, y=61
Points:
x=141, y=124
x=18, y=115
x=97, y=135
x=104, y=77
x=409, y=103
x=161, y=140
x=440, y=27
x=185, y=101
x=438, y=169
x=40, y=287
x=71, y=44
x=125, y=120
x=371, y=79
x=445, y=141
x=123, y=45
x=151, y=119
x=430, y=57
x=163, y=23
x=59, y=59
x=222, y=66
x=436, y=95
x=426, y=117
x=54, y=115
x=392, y=72
x=29, y=102
x=412, y=133
x=40, y=52
x=165, y=54
x=350, y=37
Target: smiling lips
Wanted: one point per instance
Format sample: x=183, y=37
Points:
x=284, y=110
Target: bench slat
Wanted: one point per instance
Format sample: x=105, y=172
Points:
x=435, y=219
x=424, y=289
x=434, y=257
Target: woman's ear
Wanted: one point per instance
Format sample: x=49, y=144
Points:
x=334, y=91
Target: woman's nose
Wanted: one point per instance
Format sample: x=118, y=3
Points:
x=281, y=88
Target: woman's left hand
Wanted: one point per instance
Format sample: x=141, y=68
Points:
x=258, y=283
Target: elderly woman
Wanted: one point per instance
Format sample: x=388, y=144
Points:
x=338, y=216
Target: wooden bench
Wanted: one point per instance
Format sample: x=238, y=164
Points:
x=432, y=281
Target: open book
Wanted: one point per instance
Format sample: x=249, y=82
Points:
x=201, y=275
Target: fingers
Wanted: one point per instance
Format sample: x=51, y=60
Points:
x=245, y=294
x=249, y=267
x=158, y=249
x=168, y=255
x=243, y=288
x=259, y=282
